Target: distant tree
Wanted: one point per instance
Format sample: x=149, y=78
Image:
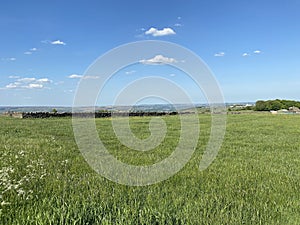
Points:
x=260, y=106
x=297, y=104
x=249, y=108
x=103, y=111
x=275, y=105
x=54, y=111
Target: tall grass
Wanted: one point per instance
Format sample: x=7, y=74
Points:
x=255, y=178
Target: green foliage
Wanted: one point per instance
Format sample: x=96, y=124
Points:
x=255, y=178
x=240, y=108
x=54, y=110
x=275, y=105
x=103, y=111
x=248, y=108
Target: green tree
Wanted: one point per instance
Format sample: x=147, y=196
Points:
x=276, y=105
x=260, y=106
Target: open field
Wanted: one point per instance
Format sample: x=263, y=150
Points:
x=254, y=180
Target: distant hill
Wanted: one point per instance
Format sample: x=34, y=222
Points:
x=4, y=109
x=136, y=108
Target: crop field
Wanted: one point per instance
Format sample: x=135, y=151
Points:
x=255, y=178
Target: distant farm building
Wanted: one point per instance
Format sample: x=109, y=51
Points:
x=14, y=114
x=291, y=110
x=283, y=111
x=294, y=109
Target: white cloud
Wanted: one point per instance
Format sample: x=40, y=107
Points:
x=11, y=86
x=32, y=86
x=257, y=52
x=9, y=59
x=246, y=54
x=28, y=83
x=19, y=85
x=130, y=72
x=90, y=77
x=178, y=25
x=172, y=75
x=30, y=51
x=43, y=80
x=26, y=79
x=220, y=54
x=179, y=17
x=13, y=77
x=158, y=59
x=155, y=32
x=75, y=76
x=68, y=91
x=58, y=42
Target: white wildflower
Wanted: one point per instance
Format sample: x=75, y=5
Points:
x=4, y=203
x=20, y=192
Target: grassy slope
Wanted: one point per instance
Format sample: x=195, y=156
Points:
x=254, y=180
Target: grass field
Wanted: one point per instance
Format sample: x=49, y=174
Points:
x=255, y=178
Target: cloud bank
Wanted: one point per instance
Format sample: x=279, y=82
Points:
x=28, y=83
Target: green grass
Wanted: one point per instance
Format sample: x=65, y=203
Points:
x=255, y=178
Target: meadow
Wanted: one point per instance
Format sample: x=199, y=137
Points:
x=255, y=178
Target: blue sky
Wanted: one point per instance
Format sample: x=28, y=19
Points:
x=252, y=47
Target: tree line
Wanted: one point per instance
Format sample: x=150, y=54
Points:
x=275, y=105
